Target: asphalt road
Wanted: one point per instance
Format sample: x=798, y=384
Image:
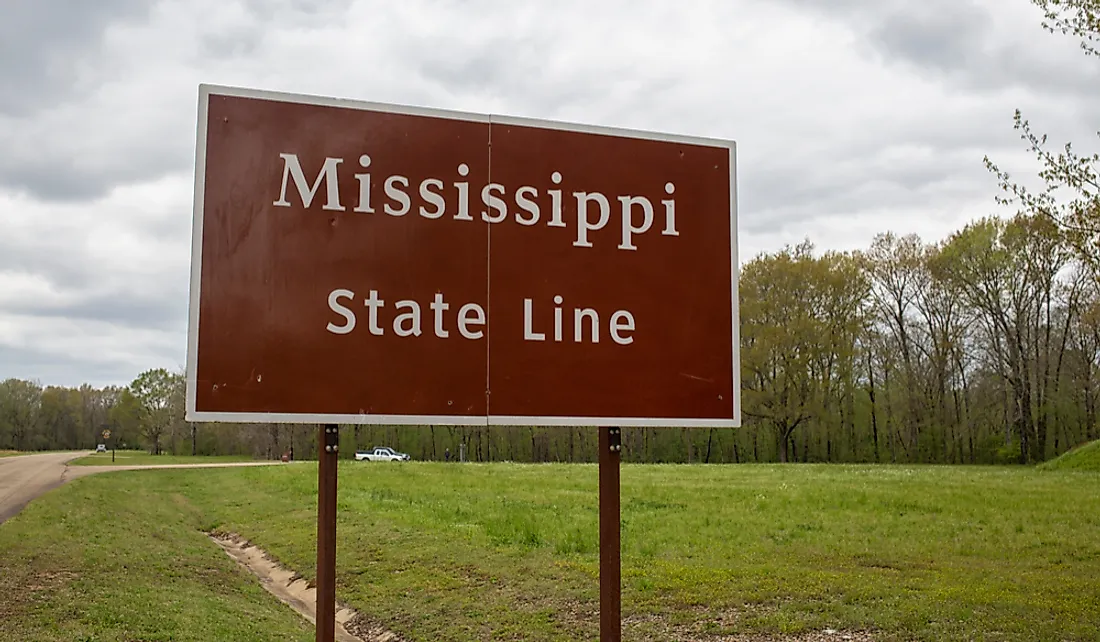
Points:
x=24, y=477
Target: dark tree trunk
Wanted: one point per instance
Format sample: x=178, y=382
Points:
x=784, y=434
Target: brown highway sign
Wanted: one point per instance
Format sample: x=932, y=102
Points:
x=356, y=262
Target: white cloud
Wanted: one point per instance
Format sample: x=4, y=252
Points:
x=851, y=118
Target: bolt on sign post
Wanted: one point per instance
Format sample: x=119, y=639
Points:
x=362, y=263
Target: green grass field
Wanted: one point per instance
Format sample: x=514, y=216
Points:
x=1086, y=458
x=142, y=458
x=509, y=552
x=10, y=453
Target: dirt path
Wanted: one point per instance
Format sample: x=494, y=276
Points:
x=25, y=477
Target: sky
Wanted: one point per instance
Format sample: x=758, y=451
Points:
x=851, y=117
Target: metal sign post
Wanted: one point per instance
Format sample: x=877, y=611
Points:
x=610, y=444
x=327, y=455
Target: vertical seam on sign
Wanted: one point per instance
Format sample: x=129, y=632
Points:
x=488, y=278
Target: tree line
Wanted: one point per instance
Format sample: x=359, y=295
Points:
x=980, y=348
x=983, y=347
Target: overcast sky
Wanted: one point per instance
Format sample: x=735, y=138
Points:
x=851, y=117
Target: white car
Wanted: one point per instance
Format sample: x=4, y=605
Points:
x=380, y=454
x=101, y=448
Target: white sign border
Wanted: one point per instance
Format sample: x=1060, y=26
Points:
x=206, y=91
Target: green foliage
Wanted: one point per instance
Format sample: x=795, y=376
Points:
x=1078, y=17
x=20, y=403
x=52, y=418
x=1009, y=274
x=159, y=395
x=1065, y=171
x=802, y=316
x=124, y=418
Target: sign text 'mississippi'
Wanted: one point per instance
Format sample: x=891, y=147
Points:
x=594, y=210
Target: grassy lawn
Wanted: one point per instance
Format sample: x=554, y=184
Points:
x=120, y=557
x=142, y=458
x=1085, y=458
x=10, y=453
x=509, y=552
